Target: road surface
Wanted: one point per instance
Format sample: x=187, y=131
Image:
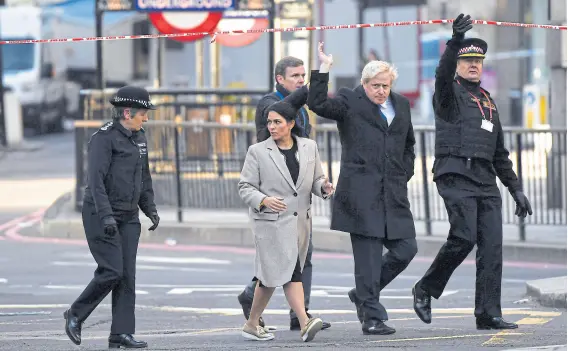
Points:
x=187, y=300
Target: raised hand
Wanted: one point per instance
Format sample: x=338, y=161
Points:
x=325, y=59
x=461, y=25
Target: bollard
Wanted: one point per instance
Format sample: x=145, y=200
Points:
x=13, y=120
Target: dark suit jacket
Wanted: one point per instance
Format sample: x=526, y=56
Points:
x=377, y=161
x=261, y=113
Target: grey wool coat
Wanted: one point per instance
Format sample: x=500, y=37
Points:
x=280, y=238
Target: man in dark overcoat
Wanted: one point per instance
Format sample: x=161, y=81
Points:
x=470, y=153
x=371, y=200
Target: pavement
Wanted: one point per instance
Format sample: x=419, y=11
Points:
x=231, y=227
x=186, y=300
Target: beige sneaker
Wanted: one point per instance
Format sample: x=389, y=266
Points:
x=257, y=334
x=313, y=326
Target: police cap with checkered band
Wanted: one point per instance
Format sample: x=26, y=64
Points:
x=133, y=97
x=472, y=47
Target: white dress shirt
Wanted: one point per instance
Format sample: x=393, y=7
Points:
x=388, y=110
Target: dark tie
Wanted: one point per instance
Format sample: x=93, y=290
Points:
x=382, y=114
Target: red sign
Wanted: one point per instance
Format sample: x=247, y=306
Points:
x=185, y=22
x=240, y=39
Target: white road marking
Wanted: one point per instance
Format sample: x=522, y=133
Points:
x=138, y=267
x=180, y=260
x=184, y=291
x=3, y=280
x=64, y=287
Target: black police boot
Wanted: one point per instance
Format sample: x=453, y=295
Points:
x=353, y=297
x=246, y=304
x=494, y=323
x=116, y=341
x=376, y=327
x=422, y=304
x=295, y=323
x=72, y=327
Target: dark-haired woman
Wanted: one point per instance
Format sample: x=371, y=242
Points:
x=277, y=179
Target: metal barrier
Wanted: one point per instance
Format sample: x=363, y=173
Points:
x=197, y=165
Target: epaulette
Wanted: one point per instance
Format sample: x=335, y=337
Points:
x=107, y=126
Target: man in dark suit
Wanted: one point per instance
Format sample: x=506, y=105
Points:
x=371, y=200
x=290, y=75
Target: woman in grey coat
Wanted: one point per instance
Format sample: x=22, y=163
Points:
x=277, y=180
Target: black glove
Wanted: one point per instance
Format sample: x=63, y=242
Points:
x=155, y=220
x=523, y=204
x=461, y=25
x=109, y=226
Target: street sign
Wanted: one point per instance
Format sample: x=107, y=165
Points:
x=534, y=106
x=185, y=22
x=184, y=5
x=115, y=5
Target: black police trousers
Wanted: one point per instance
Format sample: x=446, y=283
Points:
x=474, y=213
x=116, y=271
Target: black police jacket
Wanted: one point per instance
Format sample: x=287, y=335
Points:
x=118, y=175
x=261, y=116
x=462, y=146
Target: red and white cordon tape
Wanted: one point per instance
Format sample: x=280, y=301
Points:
x=275, y=30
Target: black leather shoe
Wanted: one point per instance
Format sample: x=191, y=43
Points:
x=494, y=323
x=116, y=341
x=376, y=327
x=422, y=304
x=246, y=304
x=353, y=297
x=72, y=327
x=295, y=323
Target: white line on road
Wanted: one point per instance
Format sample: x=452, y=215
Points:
x=3, y=280
x=186, y=260
x=138, y=267
x=161, y=259
x=185, y=291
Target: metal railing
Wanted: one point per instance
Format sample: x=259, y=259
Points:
x=197, y=165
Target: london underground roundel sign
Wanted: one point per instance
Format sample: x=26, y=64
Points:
x=177, y=22
x=240, y=39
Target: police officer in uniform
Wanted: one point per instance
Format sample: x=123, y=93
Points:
x=119, y=183
x=470, y=154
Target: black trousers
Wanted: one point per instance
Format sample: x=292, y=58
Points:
x=374, y=271
x=116, y=271
x=475, y=217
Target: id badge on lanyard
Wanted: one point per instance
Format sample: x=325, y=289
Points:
x=485, y=124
